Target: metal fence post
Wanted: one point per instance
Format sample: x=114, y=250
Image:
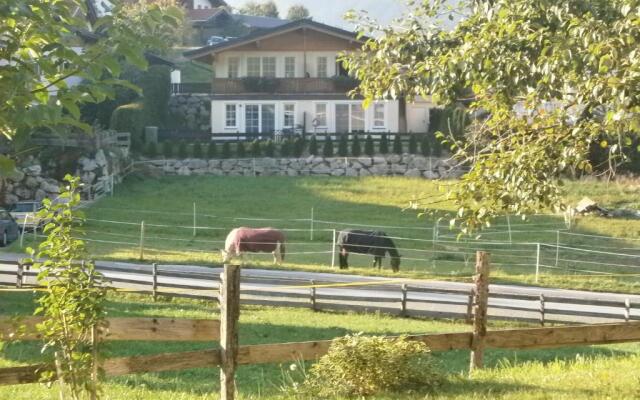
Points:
x=557, y=247
x=229, y=315
x=509, y=229
x=480, y=305
x=333, y=250
x=537, y=262
x=311, y=226
x=142, y=240
x=194, y=219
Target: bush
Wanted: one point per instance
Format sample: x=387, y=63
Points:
x=425, y=146
x=343, y=145
x=240, y=150
x=226, y=150
x=369, y=148
x=384, y=144
x=212, y=150
x=298, y=147
x=151, y=150
x=356, y=151
x=327, y=148
x=129, y=118
x=255, y=148
x=167, y=149
x=313, y=146
x=397, y=144
x=358, y=366
x=269, y=149
x=197, y=150
x=182, y=150
x=285, y=148
x=413, y=144
x=437, y=148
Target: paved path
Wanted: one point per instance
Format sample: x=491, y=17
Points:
x=288, y=283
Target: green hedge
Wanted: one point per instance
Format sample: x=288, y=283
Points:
x=129, y=118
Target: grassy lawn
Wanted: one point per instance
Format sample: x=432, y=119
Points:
x=166, y=207
x=572, y=373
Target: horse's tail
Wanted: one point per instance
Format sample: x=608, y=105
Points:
x=393, y=254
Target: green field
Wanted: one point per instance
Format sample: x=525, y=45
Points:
x=570, y=373
x=222, y=203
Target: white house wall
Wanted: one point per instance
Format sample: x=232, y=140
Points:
x=302, y=107
x=221, y=63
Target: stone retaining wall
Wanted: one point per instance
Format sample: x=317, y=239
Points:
x=390, y=165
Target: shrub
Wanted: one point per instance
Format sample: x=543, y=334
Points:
x=255, y=148
x=167, y=149
x=425, y=146
x=269, y=148
x=413, y=144
x=285, y=148
x=197, y=150
x=151, y=150
x=313, y=146
x=343, y=145
x=240, y=150
x=356, y=151
x=437, y=148
x=397, y=144
x=369, y=148
x=129, y=118
x=182, y=150
x=384, y=144
x=212, y=150
x=298, y=147
x=226, y=150
x=327, y=148
x=358, y=366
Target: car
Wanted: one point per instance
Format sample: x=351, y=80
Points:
x=9, y=229
x=25, y=214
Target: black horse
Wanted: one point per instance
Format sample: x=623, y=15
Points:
x=375, y=243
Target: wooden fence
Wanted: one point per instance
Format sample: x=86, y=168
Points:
x=230, y=355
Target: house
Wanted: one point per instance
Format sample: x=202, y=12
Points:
x=287, y=79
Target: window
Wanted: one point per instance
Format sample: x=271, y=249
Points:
x=269, y=67
x=253, y=66
x=321, y=115
x=289, y=115
x=268, y=118
x=252, y=118
x=230, y=118
x=357, y=118
x=378, y=116
x=289, y=67
x=342, y=118
x=260, y=118
x=234, y=67
x=322, y=67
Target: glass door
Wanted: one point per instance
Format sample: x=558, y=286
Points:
x=252, y=118
x=342, y=118
x=268, y=118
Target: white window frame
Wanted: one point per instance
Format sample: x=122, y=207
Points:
x=325, y=65
x=275, y=66
x=350, y=106
x=289, y=67
x=376, y=120
x=326, y=114
x=226, y=115
x=260, y=107
x=259, y=64
x=233, y=61
x=284, y=115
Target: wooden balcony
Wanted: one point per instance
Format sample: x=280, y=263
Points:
x=269, y=85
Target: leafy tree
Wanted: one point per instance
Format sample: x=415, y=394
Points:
x=343, y=145
x=73, y=303
x=413, y=144
x=297, y=11
x=269, y=148
x=313, y=146
x=212, y=150
x=327, y=148
x=550, y=78
x=240, y=150
x=226, y=150
x=197, y=150
x=355, y=146
x=38, y=40
x=397, y=145
x=384, y=144
x=265, y=9
x=369, y=147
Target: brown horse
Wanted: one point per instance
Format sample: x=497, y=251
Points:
x=254, y=240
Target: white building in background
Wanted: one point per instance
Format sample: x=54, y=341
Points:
x=287, y=79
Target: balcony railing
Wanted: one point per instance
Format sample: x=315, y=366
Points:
x=268, y=85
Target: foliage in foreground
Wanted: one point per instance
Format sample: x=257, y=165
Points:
x=359, y=365
x=73, y=303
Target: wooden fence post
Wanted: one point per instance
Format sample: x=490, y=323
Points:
x=312, y=295
x=229, y=315
x=480, y=304
x=403, y=300
x=541, y=309
x=154, y=280
x=627, y=310
x=19, y=275
x=469, y=319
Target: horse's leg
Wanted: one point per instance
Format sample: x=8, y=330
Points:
x=277, y=254
x=375, y=261
x=344, y=258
